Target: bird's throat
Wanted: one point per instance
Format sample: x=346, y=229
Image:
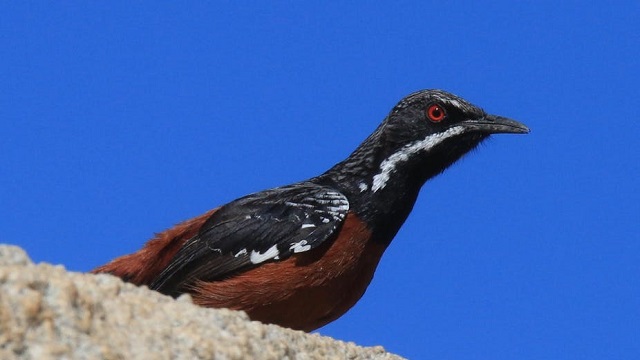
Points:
x=382, y=181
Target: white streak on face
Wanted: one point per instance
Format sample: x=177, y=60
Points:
x=388, y=166
x=271, y=253
x=300, y=246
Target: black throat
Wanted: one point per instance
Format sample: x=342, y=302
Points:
x=384, y=203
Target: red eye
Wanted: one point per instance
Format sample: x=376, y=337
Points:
x=436, y=113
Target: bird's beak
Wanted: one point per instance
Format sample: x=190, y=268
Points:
x=493, y=124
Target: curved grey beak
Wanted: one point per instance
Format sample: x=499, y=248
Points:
x=494, y=124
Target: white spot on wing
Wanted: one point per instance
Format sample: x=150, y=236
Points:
x=241, y=252
x=304, y=226
x=219, y=251
x=297, y=204
x=388, y=166
x=271, y=253
x=300, y=246
x=363, y=187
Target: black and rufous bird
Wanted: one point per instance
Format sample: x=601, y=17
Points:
x=301, y=255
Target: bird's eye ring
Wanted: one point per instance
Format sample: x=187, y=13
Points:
x=436, y=113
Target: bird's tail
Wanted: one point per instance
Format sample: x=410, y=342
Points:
x=143, y=266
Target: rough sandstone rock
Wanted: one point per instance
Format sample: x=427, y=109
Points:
x=49, y=313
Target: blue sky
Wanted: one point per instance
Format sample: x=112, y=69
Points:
x=120, y=119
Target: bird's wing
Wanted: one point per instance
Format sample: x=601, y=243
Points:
x=266, y=226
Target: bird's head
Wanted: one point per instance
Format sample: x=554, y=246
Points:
x=429, y=130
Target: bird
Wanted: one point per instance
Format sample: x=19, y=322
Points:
x=301, y=255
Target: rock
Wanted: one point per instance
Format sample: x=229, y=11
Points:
x=49, y=313
x=13, y=255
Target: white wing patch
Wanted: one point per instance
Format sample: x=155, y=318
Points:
x=300, y=246
x=257, y=257
x=388, y=165
x=320, y=208
x=241, y=252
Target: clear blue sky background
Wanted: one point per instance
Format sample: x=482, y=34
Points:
x=119, y=119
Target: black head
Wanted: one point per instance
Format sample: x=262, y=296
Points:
x=429, y=130
x=434, y=111
x=423, y=134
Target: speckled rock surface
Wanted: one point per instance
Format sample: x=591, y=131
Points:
x=49, y=313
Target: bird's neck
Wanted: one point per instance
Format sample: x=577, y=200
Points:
x=380, y=196
x=382, y=178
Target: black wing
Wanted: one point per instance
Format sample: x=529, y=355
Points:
x=267, y=226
